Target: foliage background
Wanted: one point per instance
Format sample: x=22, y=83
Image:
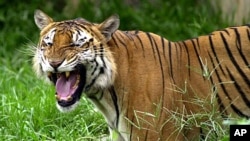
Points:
x=27, y=104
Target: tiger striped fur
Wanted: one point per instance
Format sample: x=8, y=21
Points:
x=139, y=80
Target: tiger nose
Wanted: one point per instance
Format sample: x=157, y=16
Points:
x=55, y=64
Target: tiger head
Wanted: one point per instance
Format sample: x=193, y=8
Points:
x=74, y=56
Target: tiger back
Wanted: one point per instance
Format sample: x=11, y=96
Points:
x=140, y=81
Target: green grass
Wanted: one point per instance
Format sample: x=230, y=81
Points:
x=27, y=104
x=28, y=112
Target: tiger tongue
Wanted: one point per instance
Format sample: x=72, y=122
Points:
x=64, y=86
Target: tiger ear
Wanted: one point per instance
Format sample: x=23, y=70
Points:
x=41, y=19
x=109, y=26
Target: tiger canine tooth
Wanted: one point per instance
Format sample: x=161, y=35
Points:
x=76, y=84
x=67, y=73
x=69, y=98
x=57, y=97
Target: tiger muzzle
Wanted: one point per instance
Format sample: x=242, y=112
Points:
x=69, y=85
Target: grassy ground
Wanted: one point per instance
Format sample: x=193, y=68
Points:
x=27, y=104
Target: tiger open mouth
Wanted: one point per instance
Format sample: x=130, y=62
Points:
x=69, y=85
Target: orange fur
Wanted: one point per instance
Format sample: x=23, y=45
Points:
x=155, y=79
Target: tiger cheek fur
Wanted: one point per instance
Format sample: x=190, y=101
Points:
x=138, y=80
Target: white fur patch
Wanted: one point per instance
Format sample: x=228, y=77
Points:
x=86, y=56
x=67, y=109
x=49, y=37
x=80, y=37
x=68, y=65
x=105, y=79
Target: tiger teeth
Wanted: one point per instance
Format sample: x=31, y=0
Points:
x=57, y=97
x=77, y=81
x=67, y=73
x=69, y=98
x=76, y=84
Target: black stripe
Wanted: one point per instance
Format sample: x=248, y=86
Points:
x=220, y=81
x=94, y=97
x=102, y=57
x=101, y=50
x=189, y=65
x=91, y=40
x=198, y=43
x=225, y=92
x=142, y=46
x=82, y=26
x=78, y=32
x=248, y=33
x=197, y=54
x=214, y=66
x=146, y=137
x=238, y=112
x=120, y=40
x=128, y=36
x=238, y=38
x=92, y=82
x=134, y=44
x=222, y=108
x=95, y=50
x=214, y=52
x=151, y=43
x=101, y=71
x=101, y=96
x=239, y=89
x=232, y=58
x=161, y=66
x=104, y=64
x=226, y=31
x=136, y=32
x=239, y=46
x=115, y=102
x=96, y=66
x=69, y=34
x=170, y=58
x=113, y=38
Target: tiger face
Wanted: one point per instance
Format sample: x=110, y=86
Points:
x=71, y=53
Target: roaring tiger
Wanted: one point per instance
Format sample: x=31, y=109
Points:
x=139, y=80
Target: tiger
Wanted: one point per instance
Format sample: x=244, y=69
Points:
x=139, y=80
